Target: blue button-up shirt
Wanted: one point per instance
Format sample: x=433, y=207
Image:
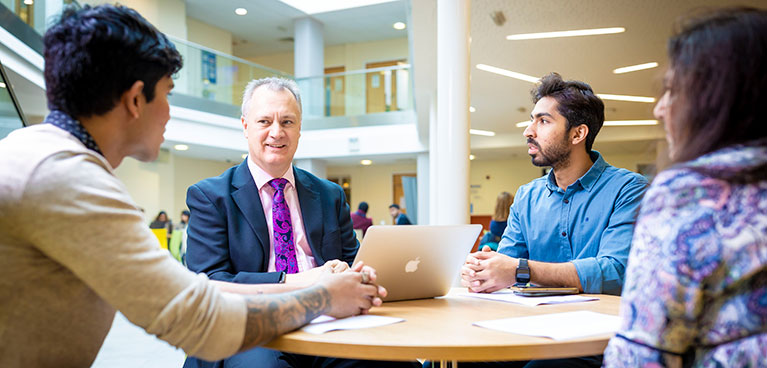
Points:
x=590, y=224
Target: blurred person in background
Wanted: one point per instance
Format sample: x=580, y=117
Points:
x=498, y=222
x=360, y=220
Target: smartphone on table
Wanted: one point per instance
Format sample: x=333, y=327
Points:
x=545, y=291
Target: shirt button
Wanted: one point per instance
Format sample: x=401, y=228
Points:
x=566, y=201
x=564, y=233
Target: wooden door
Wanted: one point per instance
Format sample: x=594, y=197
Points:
x=381, y=87
x=335, y=92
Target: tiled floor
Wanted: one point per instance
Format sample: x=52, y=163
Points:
x=128, y=346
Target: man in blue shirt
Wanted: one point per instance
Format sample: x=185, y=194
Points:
x=572, y=227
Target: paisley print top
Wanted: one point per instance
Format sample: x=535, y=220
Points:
x=696, y=283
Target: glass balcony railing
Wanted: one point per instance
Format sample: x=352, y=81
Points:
x=360, y=92
x=215, y=76
x=355, y=98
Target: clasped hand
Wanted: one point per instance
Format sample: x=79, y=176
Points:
x=487, y=271
x=353, y=291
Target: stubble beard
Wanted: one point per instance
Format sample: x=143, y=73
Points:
x=556, y=156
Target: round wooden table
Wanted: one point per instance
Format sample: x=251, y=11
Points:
x=441, y=329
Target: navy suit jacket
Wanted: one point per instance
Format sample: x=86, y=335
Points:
x=228, y=238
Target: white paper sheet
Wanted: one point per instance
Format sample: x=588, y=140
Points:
x=323, y=324
x=557, y=326
x=510, y=297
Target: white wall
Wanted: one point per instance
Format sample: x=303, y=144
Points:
x=162, y=184
x=489, y=178
x=372, y=184
x=209, y=36
x=353, y=56
x=169, y=16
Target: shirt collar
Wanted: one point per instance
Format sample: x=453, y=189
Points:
x=262, y=178
x=590, y=177
x=587, y=180
x=63, y=121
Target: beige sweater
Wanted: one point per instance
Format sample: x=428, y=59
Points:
x=73, y=248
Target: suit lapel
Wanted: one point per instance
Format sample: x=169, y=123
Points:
x=245, y=195
x=311, y=212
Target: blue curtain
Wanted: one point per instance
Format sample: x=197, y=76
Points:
x=410, y=187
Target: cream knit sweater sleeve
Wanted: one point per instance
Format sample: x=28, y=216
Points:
x=76, y=212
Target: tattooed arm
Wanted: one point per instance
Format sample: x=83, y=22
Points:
x=338, y=295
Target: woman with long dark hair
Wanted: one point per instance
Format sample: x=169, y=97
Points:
x=696, y=283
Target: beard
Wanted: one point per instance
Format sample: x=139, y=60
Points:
x=556, y=156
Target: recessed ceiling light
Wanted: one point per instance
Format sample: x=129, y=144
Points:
x=29, y=2
x=523, y=124
x=366, y=162
x=240, y=11
x=181, y=147
x=508, y=73
x=628, y=98
x=2, y=85
x=399, y=26
x=573, y=33
x=633, y=68
x=472, y=109
x=244, y=156
x=486, y=133
x=314, y=6
x=471, y=157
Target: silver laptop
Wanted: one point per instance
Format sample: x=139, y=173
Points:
x=417, y=261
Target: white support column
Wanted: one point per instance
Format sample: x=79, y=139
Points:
x=452, y=112
x=433, y=162
x=422, y=171
x=317, y=167
x=309, y=61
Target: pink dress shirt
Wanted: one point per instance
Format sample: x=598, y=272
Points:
x=266, y=192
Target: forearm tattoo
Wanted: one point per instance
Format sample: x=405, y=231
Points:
x=272, y=315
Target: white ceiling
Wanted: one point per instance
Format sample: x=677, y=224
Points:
x=500, y=102
x=264, y=30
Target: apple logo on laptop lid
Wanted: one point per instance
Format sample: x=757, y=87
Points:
x=412, y=265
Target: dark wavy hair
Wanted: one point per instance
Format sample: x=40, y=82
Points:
x=577, y=103
x=719, y=65
x=94, y=54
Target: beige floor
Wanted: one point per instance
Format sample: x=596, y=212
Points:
x=128, y=346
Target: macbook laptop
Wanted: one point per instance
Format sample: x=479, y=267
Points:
x=417, y=261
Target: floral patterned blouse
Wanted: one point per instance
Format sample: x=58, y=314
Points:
x=696, y=284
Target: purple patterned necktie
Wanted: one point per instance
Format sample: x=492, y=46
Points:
x=284, y=247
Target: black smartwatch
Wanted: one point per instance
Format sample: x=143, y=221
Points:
x=523, y=272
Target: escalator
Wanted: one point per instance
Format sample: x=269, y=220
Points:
x=11, y=116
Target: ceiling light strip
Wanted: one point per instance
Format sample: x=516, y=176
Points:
x=573, y=33
x=486, y=133
x=508, y=73
x=634, y=68
x=628, y=98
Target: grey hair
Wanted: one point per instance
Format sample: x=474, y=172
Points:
x=273, y=83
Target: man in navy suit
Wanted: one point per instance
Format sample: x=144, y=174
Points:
x=265, y=221
x=398, y=217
